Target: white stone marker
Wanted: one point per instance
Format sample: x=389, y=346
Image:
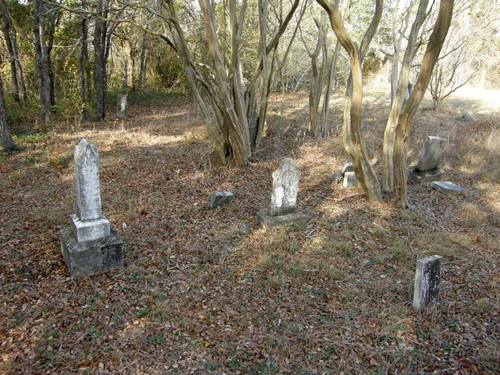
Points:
x=350, y=180
x=427, y=278
x=285, y=188
x=283, y=209
x=89, y=245
x=121, y=106
x=89, y=223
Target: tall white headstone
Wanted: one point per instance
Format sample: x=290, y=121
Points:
x=89, y=223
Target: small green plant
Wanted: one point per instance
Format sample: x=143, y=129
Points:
x=157, y=339
x=60, y=161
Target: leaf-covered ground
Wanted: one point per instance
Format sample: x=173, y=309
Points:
x=209, y=291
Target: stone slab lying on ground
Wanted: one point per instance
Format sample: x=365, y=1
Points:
x=88, y=258
x=447, y=187
x=219, y=199
x=295, y=218
x=350, y=180
x=427, y=278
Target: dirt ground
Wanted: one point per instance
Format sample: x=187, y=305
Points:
x=209, y=291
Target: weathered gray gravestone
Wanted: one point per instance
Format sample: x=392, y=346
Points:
x=350, y=180
x=90, y=245
x=219, y=199
x=432, y=154
x=347, y=167
x=285, y=188
x=283, y=209
x=427, y=278
x=121, y=106
x=429, y=163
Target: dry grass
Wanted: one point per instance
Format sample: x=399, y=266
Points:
x=211, y=292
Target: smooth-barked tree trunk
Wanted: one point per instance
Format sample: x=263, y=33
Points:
x=234, y=110
x=410, y=107
x=399, y=97
x=353, y=140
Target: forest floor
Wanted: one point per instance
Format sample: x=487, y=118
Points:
x=210, y=291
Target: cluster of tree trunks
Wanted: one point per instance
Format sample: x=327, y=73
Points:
x=235, y=106
x=353, y=117
x=403, y=127
x=323, y=74
x=46, y=19
x=238, y=105
x=16, y=69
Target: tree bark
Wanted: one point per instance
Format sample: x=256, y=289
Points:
x=7, y=142
x=99, y=42
x=410, y=107
x=398, y=101
x=353, y=140
x=83, y=65
x=16, y=70
x=42, y=58
x=51, y=23
x=143, y=59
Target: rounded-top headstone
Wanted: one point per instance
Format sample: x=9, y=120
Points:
x=285, y=188
x=432, y=154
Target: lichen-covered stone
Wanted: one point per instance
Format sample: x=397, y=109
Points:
x=427, y=278
x=432, y=154
x=87, y=184
x=219, y=199
x=88, y=258
x=295, y=218
x=90, y=230
x=285, y=188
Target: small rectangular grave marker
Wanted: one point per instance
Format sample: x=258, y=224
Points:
x=283, y=209
x=427, y=278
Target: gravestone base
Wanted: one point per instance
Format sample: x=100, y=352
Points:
x=416, y=176
x=88, y=258
x=294, y=218
x=90, y=230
